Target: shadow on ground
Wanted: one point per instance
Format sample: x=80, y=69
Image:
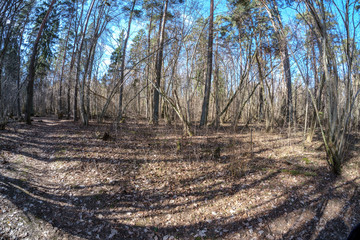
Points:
x=81, y=211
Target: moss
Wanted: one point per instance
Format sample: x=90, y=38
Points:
x=291, y=172
x=23, y=180
x=178, y=146
x=312, y=174
x=298, y=172
x=306, y=160
x=59, y=154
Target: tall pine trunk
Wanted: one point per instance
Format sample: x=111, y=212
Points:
x=205, y=105
x=159, y=60
x=60, y=107
x=31, y=69
x=148, y=69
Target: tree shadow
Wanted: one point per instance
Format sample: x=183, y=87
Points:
x=334, y=229
x=90, y=212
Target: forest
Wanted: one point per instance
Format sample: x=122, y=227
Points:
x=179, y=119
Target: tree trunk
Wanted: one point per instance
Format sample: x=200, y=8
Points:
x=306, y=95
x=31, y=69
x=217, y=93
x=205, y=105
x=286, y=65
x=89, y=82
x=277, y=24
x=122, y=69
x=60, y=107
x=5, y=38
x=148, y=69
x=259, y=61
x=18, y=80
x=83, y=111
x=72, y=64
x=159, y=60
x=82, y=90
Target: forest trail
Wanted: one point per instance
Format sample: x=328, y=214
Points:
x=62, y=181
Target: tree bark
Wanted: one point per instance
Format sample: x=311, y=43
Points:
x=72, y=63
x=31, y=69
x=122, y=68
x=11, y=9
x=82, y=90
x=89, y=82
x=205, y=105
x=159, y=60
x=217, y=93
x=60, y=107
x=18, y=80
x=259, y=61
x=277, y=24
x=148, y=69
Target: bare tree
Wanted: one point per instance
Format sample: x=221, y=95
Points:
x=205, y=105
x=122, y=67
x=31, y=68
x=273, y=12
x=335, y=126
x=158, y=65
x=60, y=107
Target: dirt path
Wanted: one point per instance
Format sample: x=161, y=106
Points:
x=61, y=181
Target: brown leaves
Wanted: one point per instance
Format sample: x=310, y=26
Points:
x=152, y=182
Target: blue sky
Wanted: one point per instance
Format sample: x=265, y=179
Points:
x=287, y=14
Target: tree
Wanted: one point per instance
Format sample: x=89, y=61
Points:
x=139, y=43
x=158, y=65
x=32, y=65
x=84, y=119
x=75, y=46
x=149, y=7
x=205, y=105
x=45, y=57
x=122, y=68
x=272, y=9
x=335, y=126
x=70, y=10
x=9, y=12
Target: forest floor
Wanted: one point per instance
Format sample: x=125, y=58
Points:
x=59, y=180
